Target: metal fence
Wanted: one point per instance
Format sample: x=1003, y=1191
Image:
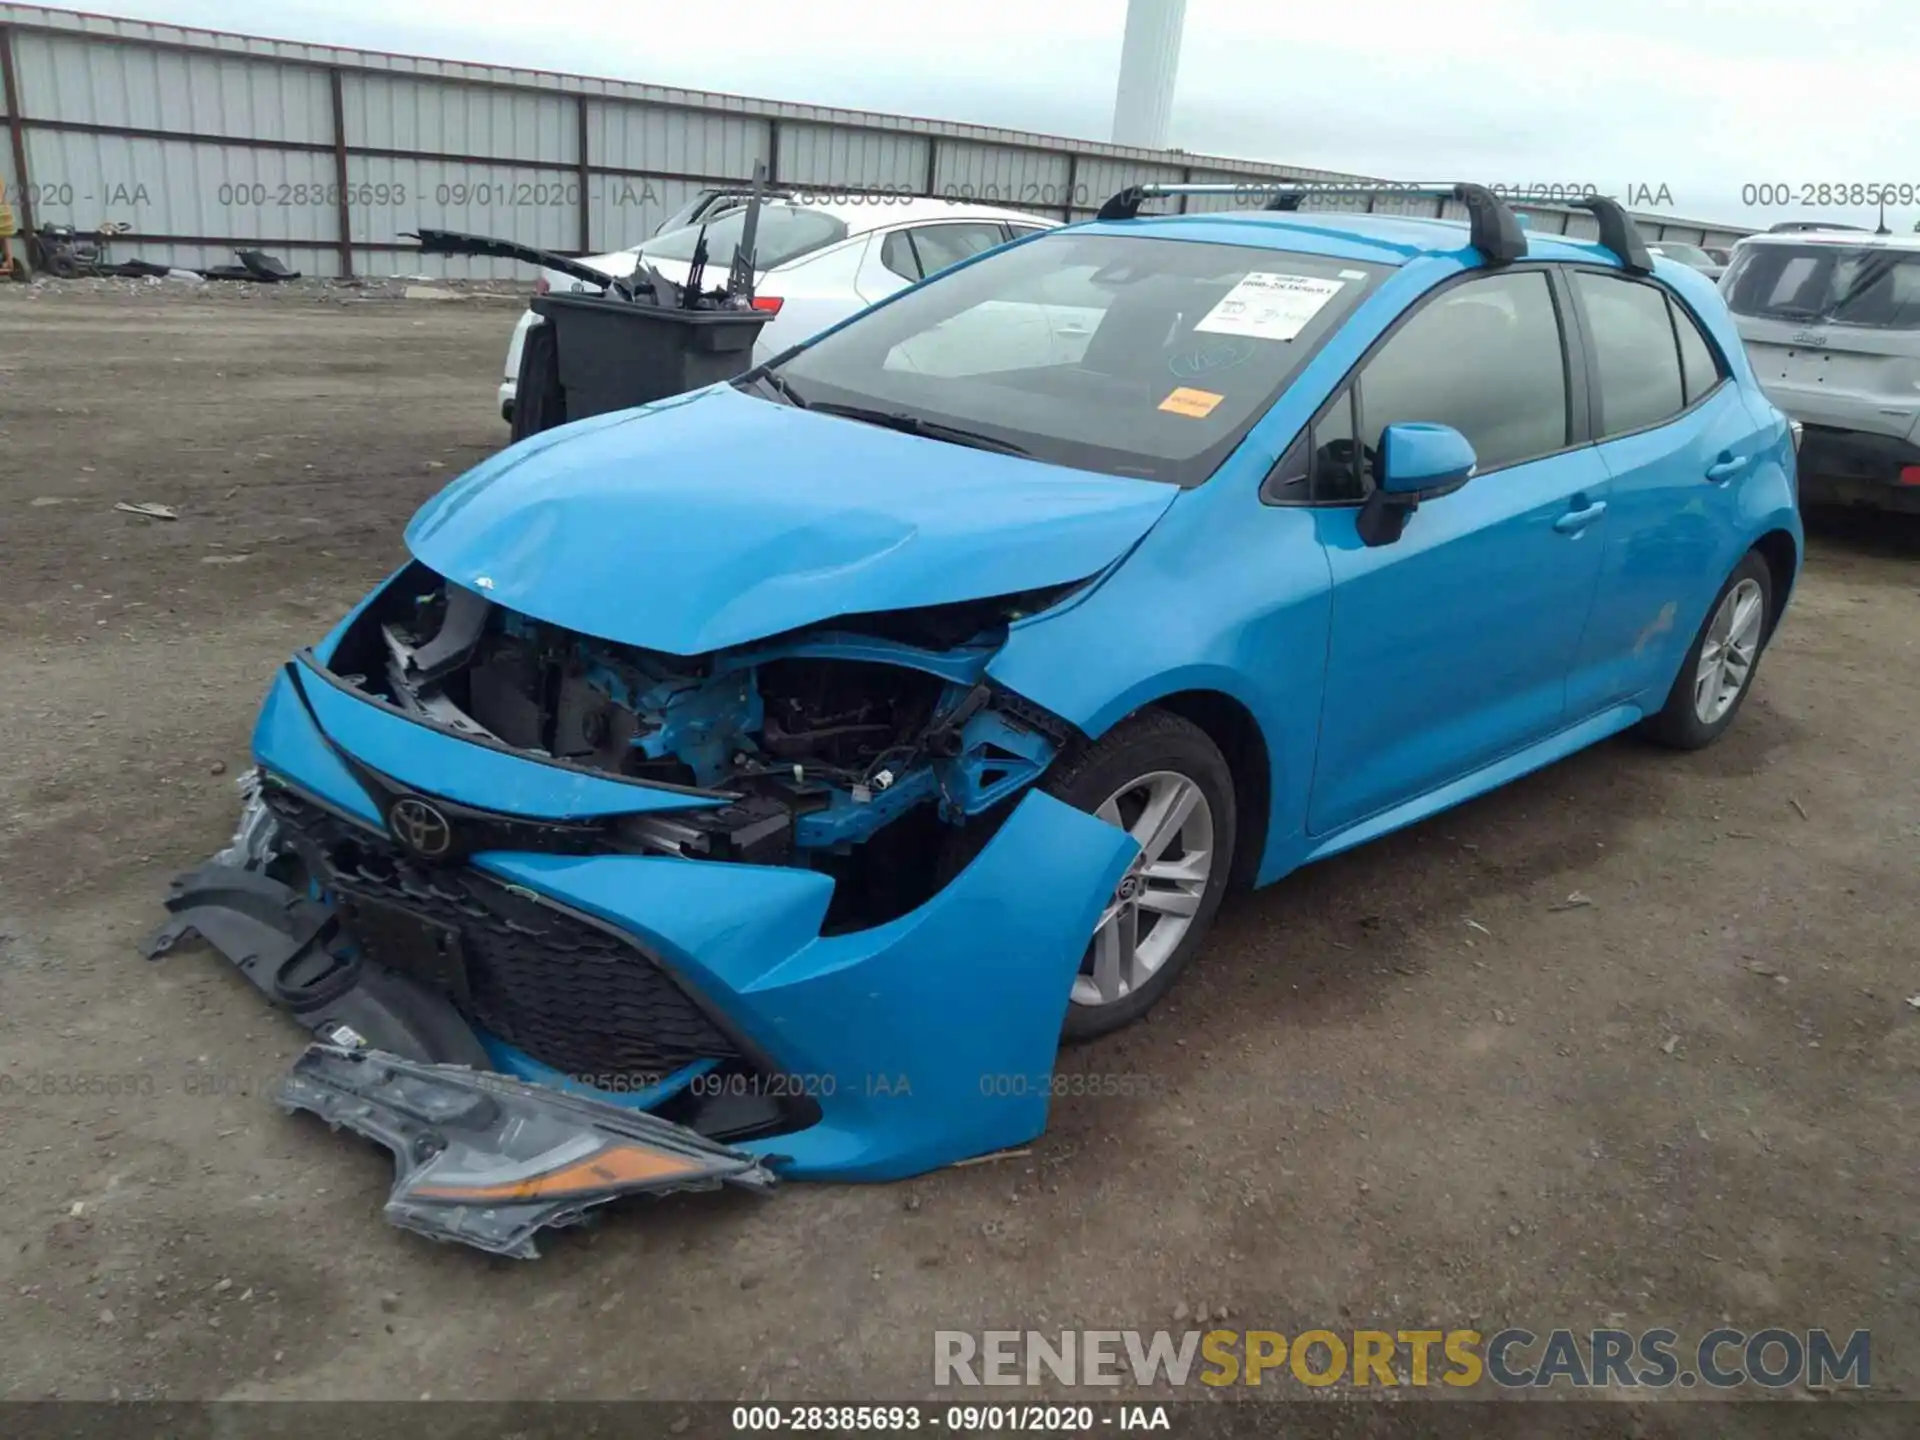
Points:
x=200, y=141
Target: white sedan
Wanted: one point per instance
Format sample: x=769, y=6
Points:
x=817, y=263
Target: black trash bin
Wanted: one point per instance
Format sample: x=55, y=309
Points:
x=610, y=353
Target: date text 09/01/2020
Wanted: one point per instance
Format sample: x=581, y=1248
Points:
x=1057, y=1084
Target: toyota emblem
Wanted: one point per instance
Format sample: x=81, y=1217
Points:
x=420, y=827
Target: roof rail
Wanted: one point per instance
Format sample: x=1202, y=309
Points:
x=1494, y=230
x=1618, y=232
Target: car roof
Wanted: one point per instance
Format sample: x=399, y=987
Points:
x=861, y=216
x=881, y=211
x=1345, y=235
x=1853, y=238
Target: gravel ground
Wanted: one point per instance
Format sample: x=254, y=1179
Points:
x=1409, y=1086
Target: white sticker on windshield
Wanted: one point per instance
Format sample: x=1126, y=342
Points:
x=1270, y=306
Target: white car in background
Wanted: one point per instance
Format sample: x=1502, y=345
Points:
x=817, y=262
x=1693, y=256
x=1831, y=322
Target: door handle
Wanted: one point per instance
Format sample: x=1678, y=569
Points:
x=1574, y=521
x=1726, y=467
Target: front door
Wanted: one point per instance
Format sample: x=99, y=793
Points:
x=1450, y=647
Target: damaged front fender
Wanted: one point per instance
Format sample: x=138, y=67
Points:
x=925, y=1040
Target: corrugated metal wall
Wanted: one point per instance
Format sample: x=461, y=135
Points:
x=199, y=141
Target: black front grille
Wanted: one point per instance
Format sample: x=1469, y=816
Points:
x=567, y=992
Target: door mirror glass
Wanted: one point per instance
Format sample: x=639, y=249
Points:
x=1417, y=458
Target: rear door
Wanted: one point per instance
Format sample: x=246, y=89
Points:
x=1677, y=440
x=1450, y=647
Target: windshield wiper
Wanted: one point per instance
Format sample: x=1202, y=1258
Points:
x=1876, y=269
x=918, y=425
x=780, y=387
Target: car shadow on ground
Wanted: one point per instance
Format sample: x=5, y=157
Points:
x=1859, y=531
x=1313, y=946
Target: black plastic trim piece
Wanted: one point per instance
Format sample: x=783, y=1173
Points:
x=1494, y=230
x=1123, y=204
x=456, y=242
x=800, y=1109
x=282, y=944
x=1618, y=233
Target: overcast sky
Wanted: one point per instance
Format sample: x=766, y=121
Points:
x=1701, y=98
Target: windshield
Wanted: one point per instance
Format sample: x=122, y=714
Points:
x=1832, y=284
x=786, y=232
x=1123, y=354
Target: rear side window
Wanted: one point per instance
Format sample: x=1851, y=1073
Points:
x=939, y=246
x=896, y=253
x=1484, y=357
x=1635, y=357
x=928, y=249
x=1698, y=367
x=786, y=232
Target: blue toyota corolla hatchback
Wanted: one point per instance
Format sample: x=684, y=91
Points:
x=779, y=770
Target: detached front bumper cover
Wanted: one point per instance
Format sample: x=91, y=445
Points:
x=488, y=1161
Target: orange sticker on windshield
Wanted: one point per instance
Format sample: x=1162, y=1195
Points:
x=1196, y=403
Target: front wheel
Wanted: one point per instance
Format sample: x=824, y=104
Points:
x=1718, y=672
x=1158, y=777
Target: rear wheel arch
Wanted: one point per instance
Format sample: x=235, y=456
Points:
x=1782, y=555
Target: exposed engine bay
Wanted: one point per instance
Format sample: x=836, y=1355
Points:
x=818, y=741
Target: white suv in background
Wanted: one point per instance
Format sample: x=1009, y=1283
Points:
x=817, y=263
x=1831, y=322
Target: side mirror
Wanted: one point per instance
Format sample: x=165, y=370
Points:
x=1415, y=462
x=1422, y=459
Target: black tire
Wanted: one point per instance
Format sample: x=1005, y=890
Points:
x=1678, y=725
x=538, y=401
x=1150, y=741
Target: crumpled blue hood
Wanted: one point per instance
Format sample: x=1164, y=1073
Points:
x=718, y=518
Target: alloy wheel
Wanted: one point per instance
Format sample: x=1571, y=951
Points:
x=1727, y=656
x=1153, y=907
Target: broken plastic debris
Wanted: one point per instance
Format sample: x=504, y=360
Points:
x=148, y=509
x=1574, y=901
x=488, y=1161
x=253, y=839
x=993, y=1155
